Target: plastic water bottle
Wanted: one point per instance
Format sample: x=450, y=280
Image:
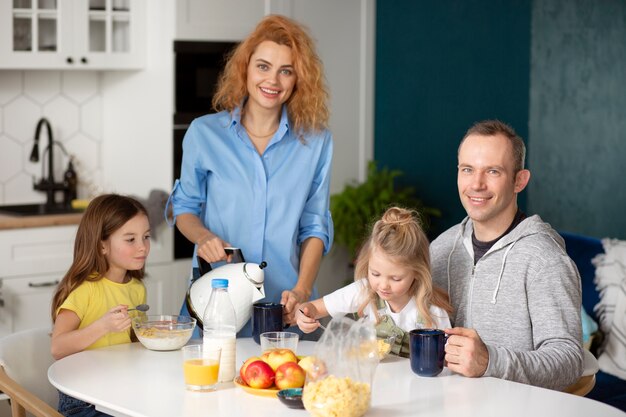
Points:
x=220, y=327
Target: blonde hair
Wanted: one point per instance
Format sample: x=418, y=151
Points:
x=399, y=235
x=307, y=107
x=104, y=215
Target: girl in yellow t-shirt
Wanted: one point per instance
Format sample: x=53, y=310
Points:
x=90, y=306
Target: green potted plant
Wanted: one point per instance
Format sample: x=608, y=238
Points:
x=354, y=208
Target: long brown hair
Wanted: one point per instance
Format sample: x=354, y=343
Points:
x=307, y=106
x=104, y=215
x=399, y=235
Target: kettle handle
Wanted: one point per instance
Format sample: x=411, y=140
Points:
x=236, y=257
x=203, y=265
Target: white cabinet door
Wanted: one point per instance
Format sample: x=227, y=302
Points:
x=32, y=262
x=217, y=20
x=113, y=34
x=25, y=302
x=31, y=33
x=38, y=250
x=72, y=34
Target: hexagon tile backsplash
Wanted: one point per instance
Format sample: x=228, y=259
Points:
x=72, y=103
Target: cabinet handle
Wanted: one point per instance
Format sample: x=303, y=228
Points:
x=83, y=60
x=69, y=60
x=43, y=284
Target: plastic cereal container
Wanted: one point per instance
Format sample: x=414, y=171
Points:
x=349, y=352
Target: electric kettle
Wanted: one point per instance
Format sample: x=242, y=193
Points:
x=245, y=286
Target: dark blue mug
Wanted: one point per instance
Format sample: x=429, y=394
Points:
x=427, y=351
x=266, y=317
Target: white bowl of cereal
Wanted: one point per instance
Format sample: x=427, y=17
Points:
x=163, y=332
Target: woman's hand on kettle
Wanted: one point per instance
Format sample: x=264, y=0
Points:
x=211, y=248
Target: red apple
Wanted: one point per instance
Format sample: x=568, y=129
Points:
x=259, y=375
x=276, y=357
x=290, y=375
x=242, y=371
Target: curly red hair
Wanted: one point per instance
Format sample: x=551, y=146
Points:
x=307, y=107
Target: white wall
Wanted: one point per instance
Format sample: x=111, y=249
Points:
x=71, y=101
x=138, y=110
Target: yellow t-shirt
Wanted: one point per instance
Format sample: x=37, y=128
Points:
x=92, y=299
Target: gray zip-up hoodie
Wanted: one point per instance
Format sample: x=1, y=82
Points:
x=523, y=298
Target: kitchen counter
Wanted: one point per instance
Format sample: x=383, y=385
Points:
x=21, y=222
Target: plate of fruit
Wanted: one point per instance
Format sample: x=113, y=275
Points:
x=274, y=370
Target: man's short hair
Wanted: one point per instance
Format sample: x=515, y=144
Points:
x=494, y=127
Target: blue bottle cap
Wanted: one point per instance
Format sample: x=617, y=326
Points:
x=219, y=283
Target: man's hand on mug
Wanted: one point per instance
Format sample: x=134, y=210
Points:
x=466, y=354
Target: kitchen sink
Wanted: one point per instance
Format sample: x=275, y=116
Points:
x=36, y=210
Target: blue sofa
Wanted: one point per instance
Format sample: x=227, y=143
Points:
x=582, y=249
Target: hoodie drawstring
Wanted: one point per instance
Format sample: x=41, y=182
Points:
x=495, y=292
x=456, y=239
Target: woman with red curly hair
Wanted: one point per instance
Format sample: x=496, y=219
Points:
x=256, y=174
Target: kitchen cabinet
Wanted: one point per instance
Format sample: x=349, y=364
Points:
x=72, y=34
x=25, y=302
x=217, y=20
x=33, y=261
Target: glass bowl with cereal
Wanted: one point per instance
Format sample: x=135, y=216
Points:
x=163, y=332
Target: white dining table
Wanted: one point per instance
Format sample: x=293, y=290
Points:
x=130, y=380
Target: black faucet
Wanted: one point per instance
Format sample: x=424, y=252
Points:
x=46, y=184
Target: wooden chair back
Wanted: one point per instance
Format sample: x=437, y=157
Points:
x=23, y=400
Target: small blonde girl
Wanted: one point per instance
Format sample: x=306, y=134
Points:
x=393, y=286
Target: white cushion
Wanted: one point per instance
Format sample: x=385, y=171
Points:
x=610, y=281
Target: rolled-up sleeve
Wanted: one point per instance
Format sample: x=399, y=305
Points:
x=316, y=219
x=189, y=192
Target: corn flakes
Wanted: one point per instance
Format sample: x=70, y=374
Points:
x=336, y=397
x=384, y=348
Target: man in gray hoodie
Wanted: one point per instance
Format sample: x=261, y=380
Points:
x=515, y=292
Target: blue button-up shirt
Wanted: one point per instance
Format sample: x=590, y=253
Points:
x=267, y=205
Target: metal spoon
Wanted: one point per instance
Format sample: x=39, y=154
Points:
x=318, y=322
x=141, y=307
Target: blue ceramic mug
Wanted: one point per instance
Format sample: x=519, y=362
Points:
x=266, y=317
x=427, y=351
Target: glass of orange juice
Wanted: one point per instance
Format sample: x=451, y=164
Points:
x=201, y=367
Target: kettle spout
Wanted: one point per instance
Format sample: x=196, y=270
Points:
x=258, y=294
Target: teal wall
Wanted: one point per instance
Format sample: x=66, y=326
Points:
x=577, y=145
x=442, y=65
x=553, y=69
